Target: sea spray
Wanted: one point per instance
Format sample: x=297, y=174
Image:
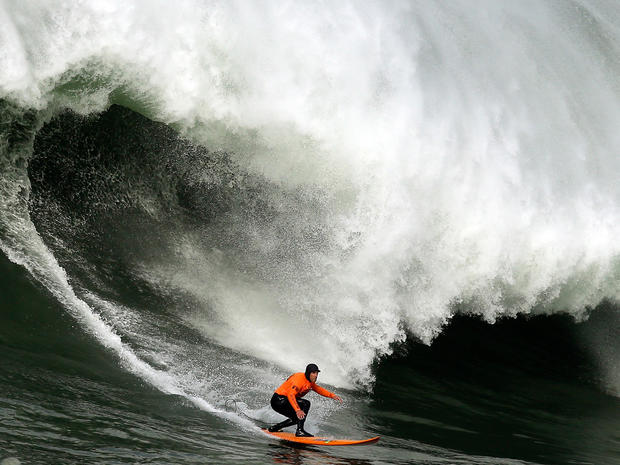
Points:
x=392, y=165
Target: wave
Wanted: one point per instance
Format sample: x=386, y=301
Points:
x=317, y=181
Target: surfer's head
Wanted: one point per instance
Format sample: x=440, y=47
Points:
x=312, y=372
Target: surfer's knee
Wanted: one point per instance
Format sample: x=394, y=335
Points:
x=304, y=405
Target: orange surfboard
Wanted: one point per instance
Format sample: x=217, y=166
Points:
x=320, y=441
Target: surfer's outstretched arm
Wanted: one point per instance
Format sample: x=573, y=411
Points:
x=324, y=392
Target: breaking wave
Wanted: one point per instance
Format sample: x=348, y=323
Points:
x=303, y=181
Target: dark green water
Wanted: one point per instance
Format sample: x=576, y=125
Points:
x=520, y=390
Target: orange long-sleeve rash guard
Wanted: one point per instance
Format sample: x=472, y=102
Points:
x=297, y=386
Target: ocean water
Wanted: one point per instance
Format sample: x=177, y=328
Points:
x=198, y=199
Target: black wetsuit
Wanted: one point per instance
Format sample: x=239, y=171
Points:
x=281, y=405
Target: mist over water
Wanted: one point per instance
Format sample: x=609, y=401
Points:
x=300, y=180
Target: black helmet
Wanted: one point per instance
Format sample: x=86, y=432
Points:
x=311, y=368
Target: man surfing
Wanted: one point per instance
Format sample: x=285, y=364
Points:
x=287, y=399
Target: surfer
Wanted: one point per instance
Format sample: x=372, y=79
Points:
x=287, y=399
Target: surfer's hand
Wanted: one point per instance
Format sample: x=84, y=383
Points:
x=337, y=398
x=300, y=414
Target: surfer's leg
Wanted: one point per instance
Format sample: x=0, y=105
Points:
x=282, y=424
x=305, y=406
x=281, y=405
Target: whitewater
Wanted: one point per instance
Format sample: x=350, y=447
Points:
x=310, y=179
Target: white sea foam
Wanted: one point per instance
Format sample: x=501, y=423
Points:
x=466, y=156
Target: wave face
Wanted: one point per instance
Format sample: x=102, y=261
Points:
x=311, y=181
